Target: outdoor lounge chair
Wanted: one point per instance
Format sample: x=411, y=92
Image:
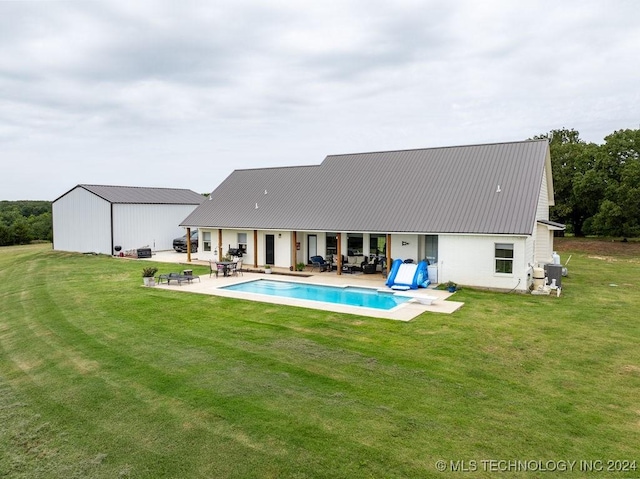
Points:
x=370, y=268
x=178, y=278
x=320, y=263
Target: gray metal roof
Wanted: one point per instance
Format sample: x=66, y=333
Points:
x=485, y=189
x=143, y=195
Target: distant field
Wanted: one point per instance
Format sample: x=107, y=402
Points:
x=102, y=378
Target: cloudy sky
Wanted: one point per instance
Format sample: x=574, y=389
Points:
x=181, y=93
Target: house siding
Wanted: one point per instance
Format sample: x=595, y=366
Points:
x=470, y=260
x=543, y=237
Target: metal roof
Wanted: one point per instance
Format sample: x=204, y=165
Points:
x=481, y=189
x=143, y=195
x=552, y=224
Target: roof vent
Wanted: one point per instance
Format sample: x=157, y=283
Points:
x=256, y=205
x=498, y=190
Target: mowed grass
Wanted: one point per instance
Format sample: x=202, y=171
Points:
x=101, y=377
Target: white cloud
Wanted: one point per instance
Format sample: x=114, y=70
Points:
x=180, y=93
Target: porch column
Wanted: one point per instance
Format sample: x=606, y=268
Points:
x=219, y=244
x=339, y=261
x=255, y=248
x=366, y=245
x=294, y=257
x=388, y=253
x=188, y=245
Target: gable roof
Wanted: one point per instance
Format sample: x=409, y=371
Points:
x=143, y=195
x=483, y=189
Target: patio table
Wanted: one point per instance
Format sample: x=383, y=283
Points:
x=226, y=267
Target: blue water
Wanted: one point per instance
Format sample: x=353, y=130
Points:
x=349, y=296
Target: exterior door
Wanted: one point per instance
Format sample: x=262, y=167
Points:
x=270, y=251
x=312, y=247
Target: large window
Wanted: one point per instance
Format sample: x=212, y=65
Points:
x=332, y=244
x=504, y=258
x=354, y=244
x=242, y=242
x=431, y=248
x=377, y=245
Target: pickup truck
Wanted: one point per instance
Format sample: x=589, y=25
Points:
x=180, y=244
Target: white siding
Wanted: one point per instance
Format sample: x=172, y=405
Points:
x=542, y=211
x=544, y=244
x=282, y=246
x=82, y=223
x=404, y=246
x=470, y=260
x=136, y=225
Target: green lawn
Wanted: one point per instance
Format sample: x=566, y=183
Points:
x=101, y=377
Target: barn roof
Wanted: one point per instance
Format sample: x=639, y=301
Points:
x=143, y=195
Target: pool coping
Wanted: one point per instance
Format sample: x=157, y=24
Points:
x=403, y=312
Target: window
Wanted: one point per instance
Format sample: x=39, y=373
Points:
x=242, y=242
x=504, y=258
x=206, y=240
x=332, y=244
x=354, y=244
x=431, y=248
x=378, y=245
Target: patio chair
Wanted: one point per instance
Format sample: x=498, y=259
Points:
x=213, y=268
x=237, y=268
x=370, y=268
x=320, y=263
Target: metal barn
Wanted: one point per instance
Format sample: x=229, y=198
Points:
x=97, y=218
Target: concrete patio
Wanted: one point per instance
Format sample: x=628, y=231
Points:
x=212, y=285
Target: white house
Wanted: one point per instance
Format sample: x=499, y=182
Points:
x=97, y=218
x=478, y=213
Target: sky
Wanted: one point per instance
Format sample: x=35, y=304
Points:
x=179, y=94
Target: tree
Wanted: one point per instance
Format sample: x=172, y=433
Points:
x=20, y=231
x=619, y=166
x=576, y=194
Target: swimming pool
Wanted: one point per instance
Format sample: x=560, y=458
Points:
x=348, y=295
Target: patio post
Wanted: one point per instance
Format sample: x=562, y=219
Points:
x=255, y=248
x=188, y=245
x=339, y=260
x=388, y=253
x=294, y=256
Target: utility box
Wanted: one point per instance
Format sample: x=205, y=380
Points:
x=432, y=272
x=553, y=271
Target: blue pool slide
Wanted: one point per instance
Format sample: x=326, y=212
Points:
x=405, y=276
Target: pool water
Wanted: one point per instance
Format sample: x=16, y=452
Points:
x=349, y=296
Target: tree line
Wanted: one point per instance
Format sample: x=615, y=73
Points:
x=597, y=187
x=22, y=222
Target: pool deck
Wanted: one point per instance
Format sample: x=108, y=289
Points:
x=212, y=285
